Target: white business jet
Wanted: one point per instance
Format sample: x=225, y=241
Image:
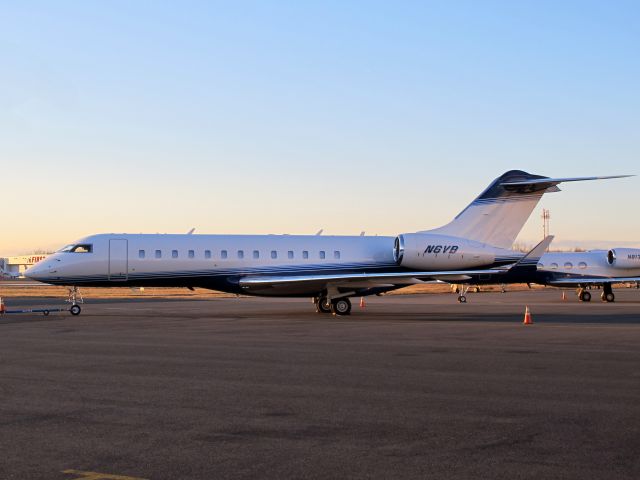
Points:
x=328, y=268
x=582, y=270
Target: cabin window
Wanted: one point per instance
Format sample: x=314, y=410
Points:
x=141, y=254
x=305, y=254
x=207, y=254
x=274, y=254
x=582, y=265
x=240, y=253
x=336, y=254
x=158, y=253
x=554, y=265
x=191, y=254
x=174, y=253
x=290, y=254
x=322, y=255
x=256, y=254
x=223, y=254
x=568, y=265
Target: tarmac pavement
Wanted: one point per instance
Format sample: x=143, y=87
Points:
x=410, y=387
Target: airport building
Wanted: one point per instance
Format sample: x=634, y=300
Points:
x=16, y=266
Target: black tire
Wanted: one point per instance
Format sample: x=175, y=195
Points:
x=608, y=297
x=462, y=299
x=341, y=306
x=75, y=310
x=322, y=305
x=585, y=297
x=45, y=312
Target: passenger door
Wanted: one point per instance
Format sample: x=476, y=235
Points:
x=118, y=260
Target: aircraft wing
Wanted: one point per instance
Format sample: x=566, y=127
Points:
x=367, y=280
x=576, y=281
x=259, y=282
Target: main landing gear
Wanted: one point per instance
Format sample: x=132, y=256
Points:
x=337, y=306
x=606, y=296
x=583, y=295
x=75, y=297
x=607, y=293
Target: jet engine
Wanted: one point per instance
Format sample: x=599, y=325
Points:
x=624, y=258
x=439, y=252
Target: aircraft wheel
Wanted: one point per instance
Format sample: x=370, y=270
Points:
x=341, y=306
x=45, y=312
x=322, y=305
x=75, y=310
x=584, y=297
x=462, y=299
x=608, y=297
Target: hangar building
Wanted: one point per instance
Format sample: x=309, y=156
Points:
x=15, y=266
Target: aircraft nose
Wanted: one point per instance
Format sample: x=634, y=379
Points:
x=36, y=272
x=32, y=272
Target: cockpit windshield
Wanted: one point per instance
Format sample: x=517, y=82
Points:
x=80, y=248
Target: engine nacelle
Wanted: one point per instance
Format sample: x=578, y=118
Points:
x=423, y=251
x=624, y=258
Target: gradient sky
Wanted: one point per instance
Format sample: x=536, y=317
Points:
x=288, y=117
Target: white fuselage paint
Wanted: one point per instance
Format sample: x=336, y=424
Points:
x=218, y=261
x=182, y=257
x=589, y=264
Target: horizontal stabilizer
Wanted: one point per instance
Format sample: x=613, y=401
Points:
x=555, y=181
x=498, y=214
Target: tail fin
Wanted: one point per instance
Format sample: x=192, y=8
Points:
x=499, y=213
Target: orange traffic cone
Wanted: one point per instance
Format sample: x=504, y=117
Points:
x=2, y=309
x=362, y=305
x=527, y=317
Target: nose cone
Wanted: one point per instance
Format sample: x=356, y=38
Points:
x=37, y=272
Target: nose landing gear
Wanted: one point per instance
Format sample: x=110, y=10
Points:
x=75, y=297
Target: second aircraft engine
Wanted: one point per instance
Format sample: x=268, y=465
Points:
x=423, y=251
x=624, y=258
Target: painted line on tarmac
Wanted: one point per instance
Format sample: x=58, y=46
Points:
x=98, y=476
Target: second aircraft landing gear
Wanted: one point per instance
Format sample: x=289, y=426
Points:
x=607, y=293
x=462, y=293
x=583, y=295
